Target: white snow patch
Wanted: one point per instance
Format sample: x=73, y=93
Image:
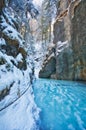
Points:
x=10, y=31
x=61, y=46
x=19, y=57
x=2, y=41
x=37, y=2
x=19, y=115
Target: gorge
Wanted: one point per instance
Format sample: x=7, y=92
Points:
x=42, y=65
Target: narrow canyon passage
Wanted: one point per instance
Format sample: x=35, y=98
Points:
x=42, y=64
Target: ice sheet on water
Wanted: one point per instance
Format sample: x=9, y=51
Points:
x=58, y=103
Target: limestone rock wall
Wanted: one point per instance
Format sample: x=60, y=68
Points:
x=70, y=40
x=70, y=26
x=78, y=40
x=49, y=65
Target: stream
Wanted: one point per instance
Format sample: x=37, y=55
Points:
x=62, y=104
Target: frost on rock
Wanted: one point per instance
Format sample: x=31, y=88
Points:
x=9, y=29
x=2, y=41
x=19, y=57
x=61, y=46
x=17, y=107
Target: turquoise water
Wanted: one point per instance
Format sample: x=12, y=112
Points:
x=62, y=104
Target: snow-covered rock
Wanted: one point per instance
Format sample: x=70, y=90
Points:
x=17, y=107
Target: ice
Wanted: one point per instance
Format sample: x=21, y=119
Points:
x=71, y=127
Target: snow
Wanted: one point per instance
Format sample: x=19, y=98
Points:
x=13, y=35
x=12, y=74
x=61, y=46
x=11, y=32
x=37, y=2
x=19, y=57
x=6, y=81
x=7, y=58
x=2, y=41
x=9, y=17
x=17, y=109
x=19, y=115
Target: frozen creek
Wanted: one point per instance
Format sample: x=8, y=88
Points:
x=62, y=104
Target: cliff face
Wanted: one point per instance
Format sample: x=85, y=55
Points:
x=70, y=26
x=12, y=54
x=78, y=41
x=70, y=40
x=16, y=98
x=49, y=64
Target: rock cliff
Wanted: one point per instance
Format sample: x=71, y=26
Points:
x=70, y=41
x=12, y=54
x=17, y=107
